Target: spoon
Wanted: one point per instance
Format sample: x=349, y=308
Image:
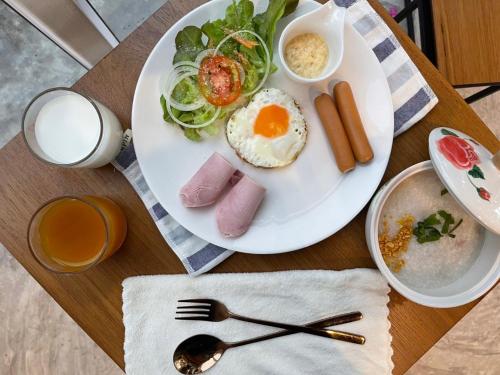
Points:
x=328, y=22
x=199, y=353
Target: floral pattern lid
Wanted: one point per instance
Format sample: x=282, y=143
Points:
x=467, y=170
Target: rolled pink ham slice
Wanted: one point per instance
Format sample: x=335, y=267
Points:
x=236, y=211
x=206, y=185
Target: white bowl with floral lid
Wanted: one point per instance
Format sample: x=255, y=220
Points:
x=464, y=187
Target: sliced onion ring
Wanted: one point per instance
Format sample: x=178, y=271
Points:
x=185, y=63
x=197, y=126
x=203, y=54
x=176, y=70
x=173, y=81
x=169, y=106
x=266, y=50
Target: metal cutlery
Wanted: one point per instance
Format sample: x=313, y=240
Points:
x=199, y=353
x=215, y=311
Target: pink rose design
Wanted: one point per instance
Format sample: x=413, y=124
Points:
x=458, y=152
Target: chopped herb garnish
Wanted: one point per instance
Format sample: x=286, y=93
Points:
x=448, y=219
x=444, y=191
x=450, y=233
x=427, y=230
x=431, y=220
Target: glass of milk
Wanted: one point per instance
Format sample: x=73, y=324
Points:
x=68, y=129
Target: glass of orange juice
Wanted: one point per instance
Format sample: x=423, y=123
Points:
x=71, y=234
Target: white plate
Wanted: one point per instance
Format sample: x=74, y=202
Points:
x=306, y=201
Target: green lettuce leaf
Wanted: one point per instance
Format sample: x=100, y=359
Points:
x=212, y=129
x=290, y=6
x=265, y=23
x=166, y=115
x=192, y=134
x=239, y=15
x=188, y=43
x=186, y=91
x=214, y=30
x=251, y=78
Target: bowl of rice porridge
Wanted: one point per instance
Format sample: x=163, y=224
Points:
x=432, y=248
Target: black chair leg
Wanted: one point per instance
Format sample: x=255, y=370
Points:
x=482, y=94
x=409, y=22
x=410, y=6
x=426, y=28
x=427, y=41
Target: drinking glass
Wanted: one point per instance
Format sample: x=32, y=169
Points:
x=72, y=234
x=65, y=128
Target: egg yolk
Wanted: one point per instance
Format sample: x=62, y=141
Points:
x=271, y=122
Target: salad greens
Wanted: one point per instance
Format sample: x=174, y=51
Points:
x=243, y=48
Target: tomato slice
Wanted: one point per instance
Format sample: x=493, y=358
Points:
x=219, y=80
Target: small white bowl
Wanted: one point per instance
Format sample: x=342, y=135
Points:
x=476, y=281
x=328, y=22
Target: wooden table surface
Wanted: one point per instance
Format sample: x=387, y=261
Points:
x=93, y=299
x=467, y=35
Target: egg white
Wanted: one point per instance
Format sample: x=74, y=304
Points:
x=261, y=151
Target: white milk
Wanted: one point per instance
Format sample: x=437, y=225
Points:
x=67, y=129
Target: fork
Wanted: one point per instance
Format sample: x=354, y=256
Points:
x=211, y=310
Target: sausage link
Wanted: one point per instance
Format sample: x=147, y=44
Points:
x=335, y=132
x=352, y=122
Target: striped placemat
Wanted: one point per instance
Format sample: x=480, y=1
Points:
x=412, y=99
x=197, y=255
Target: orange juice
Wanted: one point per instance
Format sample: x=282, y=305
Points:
x=73, y=233
x=117, y=223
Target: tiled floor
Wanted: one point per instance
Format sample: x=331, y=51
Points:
x=36, y=335
x=29, y=63
x=488, y=108
x=123, y=16
x=471, y=347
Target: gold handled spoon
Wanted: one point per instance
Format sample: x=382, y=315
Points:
x=199, y=353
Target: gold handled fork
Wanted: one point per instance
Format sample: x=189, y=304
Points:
x=214, y=311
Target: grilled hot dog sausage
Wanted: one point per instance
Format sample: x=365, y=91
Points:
x=335, y=132
x=352, y=122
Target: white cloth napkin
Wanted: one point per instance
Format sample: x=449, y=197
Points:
x=297, y=297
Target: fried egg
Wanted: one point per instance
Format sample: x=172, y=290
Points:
x=270, y=131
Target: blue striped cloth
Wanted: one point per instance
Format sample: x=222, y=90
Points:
x=197, y=255
x=411, y=95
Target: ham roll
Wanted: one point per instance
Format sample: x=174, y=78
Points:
x=236, y=211
x=206, y=185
